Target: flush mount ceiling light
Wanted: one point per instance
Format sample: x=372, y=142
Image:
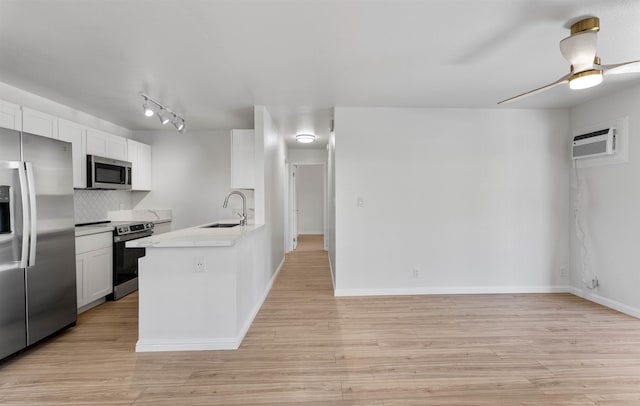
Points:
x=305, y=138
x=165, y=114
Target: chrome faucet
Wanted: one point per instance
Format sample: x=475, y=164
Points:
x=243, y=216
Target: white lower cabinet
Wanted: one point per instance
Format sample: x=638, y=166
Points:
x=80, y=280
x=94, y=267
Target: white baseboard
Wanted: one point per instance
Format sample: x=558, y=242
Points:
x=451, y=290
x=187, y=345
x=612, y=304
x=476, y=290
x=256, y=308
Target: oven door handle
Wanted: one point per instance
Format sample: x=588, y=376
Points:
x=129, y=237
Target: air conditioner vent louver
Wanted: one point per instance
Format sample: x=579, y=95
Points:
x=595, y=143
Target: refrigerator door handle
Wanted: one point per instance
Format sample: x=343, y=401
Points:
x=33, y=214
x=24, y=195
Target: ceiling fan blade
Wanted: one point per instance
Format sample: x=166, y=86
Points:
x=626, y=67
x=560, y=81
x=580, y=50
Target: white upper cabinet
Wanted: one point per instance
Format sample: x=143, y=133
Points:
x=242, y=159
x=140, y=157
x=10, y=116
x=39, y=123
x=75, y=134
x=106, y=145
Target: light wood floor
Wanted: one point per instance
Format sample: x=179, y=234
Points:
x=308, y=347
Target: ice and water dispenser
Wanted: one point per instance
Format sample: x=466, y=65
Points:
x=5, y=209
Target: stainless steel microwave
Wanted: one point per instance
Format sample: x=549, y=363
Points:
x=107, y=173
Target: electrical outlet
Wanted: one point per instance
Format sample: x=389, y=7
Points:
x=563, y=272
x=416, y=273
x=199, y=265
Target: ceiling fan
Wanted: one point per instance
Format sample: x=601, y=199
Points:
x=579, y=49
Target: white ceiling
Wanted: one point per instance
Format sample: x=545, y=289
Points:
x=212, y=61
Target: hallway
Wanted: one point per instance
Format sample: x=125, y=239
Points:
x=308, y=347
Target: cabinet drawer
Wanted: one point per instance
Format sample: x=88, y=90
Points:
x=93, y=242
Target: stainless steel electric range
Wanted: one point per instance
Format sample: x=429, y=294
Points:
x=125, y=260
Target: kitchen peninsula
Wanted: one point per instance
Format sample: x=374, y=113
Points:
x=200, y=287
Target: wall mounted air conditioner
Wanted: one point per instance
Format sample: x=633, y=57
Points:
x=596, y=143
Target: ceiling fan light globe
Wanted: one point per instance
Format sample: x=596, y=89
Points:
x=586, y=79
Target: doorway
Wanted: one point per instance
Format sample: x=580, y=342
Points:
x=307, y=202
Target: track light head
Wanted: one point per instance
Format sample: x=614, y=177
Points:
x=179, y=124
x=147, y=107
x=163, y=116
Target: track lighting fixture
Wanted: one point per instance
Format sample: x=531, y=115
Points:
x=165, y=114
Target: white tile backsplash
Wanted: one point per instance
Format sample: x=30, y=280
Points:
x=93, y=205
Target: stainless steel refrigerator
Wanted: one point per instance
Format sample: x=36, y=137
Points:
x=37, y=242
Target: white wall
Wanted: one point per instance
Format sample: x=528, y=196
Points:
x=271, y=185
x=307, y=156
x=472, y=200
x=609, y=210
x=310, y=198
x=190, y=174
x=330, y=238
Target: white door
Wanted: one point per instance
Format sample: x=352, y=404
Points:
x=294, y=207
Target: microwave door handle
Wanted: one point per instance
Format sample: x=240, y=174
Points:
x=33, y=214
x=91, y=171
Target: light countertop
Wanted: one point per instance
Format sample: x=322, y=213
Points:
x=196, y=237
x=98, y=228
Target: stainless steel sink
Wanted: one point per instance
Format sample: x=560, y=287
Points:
x=220, y=225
